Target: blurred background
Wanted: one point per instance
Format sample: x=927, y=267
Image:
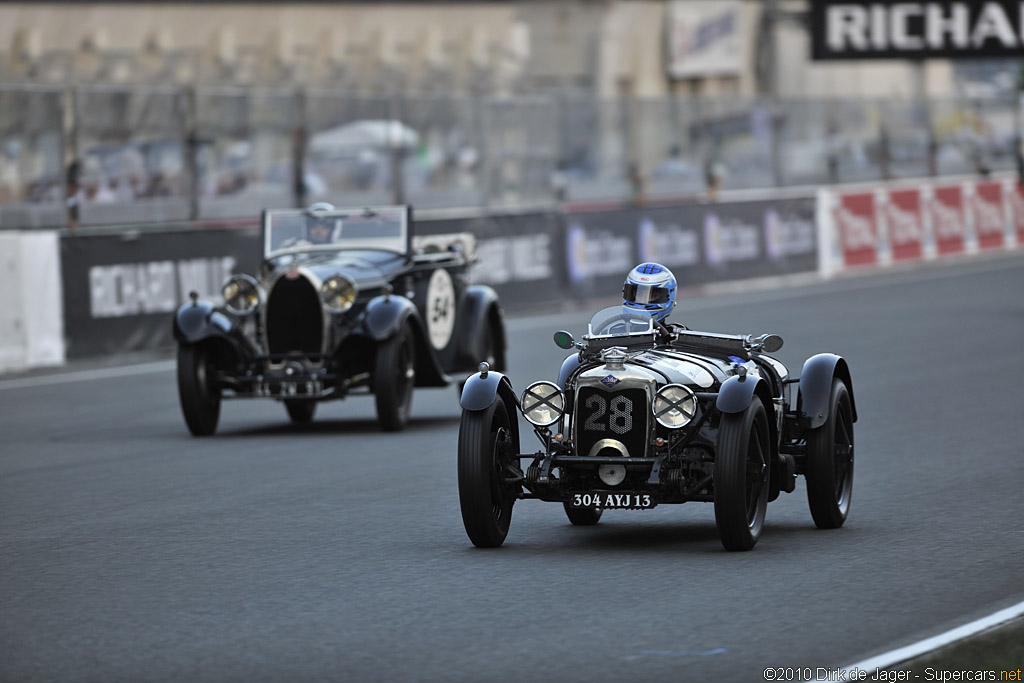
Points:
x=139, y=113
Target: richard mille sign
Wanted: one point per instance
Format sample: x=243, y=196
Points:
x=917, y=30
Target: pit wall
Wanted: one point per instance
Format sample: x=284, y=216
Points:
x=113, y=291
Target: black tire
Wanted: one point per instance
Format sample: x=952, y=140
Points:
x=300, y=410
x=393, y=378
x=742, y=469
x=829, y=464
x=485, y=446
x=582, y=516
x=197, y=389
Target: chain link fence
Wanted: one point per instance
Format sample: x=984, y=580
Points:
x=104, y=155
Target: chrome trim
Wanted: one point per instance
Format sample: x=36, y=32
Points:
x=608, y=443
x=260, y=294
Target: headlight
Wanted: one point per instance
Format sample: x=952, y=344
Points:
x=674, y=406
x=241, y=295
x=339, y=293
x=543, y=404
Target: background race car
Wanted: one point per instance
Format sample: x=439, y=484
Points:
x=346, y=300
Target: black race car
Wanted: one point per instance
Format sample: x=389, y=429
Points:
x=346, y=301
x=644, y=414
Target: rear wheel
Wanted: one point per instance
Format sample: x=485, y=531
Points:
x=300, y=411
x=198, y=391
x=393, y=378
x=485, y=447
x=829, y=464
x=582, y=516
x=741, y=476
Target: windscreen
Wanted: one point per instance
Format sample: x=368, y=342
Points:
x=382, y=229
x=617, y=321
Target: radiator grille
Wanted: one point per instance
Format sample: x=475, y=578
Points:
x=620, y=415
x=294, y=317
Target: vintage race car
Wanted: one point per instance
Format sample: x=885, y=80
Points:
x=644, y=414
x=346, y=301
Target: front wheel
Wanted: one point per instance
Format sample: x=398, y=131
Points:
x=198, y=391
x=741, y=476
x=829, y=465
x=582, y=516
x=485, y=447
x=393, y=378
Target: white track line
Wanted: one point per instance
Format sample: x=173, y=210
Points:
x=86, y=375
x=888, y=659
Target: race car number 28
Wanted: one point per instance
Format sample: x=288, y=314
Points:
x=611, y=500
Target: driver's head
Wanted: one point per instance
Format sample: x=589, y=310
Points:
x=650, y=288
x=319, y=227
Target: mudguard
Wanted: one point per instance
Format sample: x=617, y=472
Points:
x=480, y=303
x=569, y=366
x=200, y=321
x=816, y=387
x=479, y=393
x=736, y=392
x=386, y=314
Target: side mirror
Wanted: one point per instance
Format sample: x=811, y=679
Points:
x=564, y=340
x=772, y=343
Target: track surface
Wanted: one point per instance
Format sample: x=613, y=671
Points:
x=130, y=551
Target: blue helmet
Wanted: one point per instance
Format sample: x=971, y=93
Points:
x=650, y=288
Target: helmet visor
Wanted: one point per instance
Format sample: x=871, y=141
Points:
x=645, y=294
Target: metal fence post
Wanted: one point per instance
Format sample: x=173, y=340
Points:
x=299, y=137
x=192, y=150
x=396, y=148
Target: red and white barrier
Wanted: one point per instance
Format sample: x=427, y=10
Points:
x=887, y=223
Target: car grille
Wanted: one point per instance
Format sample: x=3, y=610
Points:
x=294, y=317
x=620, y=415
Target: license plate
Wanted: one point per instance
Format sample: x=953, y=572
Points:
x=611, y=501
x=288, y=388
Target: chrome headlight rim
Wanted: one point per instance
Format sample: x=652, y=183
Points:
x=240, y=281
x=329, y=293
x=551, y=402
x=664, y=404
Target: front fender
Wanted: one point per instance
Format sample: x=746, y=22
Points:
x=479, y=393
x=480, y=309
x=736, y=392
x=199, y=321
x=386, y=314
x=816, y=387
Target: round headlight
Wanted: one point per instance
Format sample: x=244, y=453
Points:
x=543, y=404
x=241, y=294
x=674, y=406
x=339, y=293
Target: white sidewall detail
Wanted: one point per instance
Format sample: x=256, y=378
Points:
x=440, y=308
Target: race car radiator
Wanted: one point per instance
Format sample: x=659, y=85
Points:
x=295, y=318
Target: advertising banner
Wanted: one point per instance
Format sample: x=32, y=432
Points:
x=906, y=224
x=949, y=222
x=989, y=216
x=704, y=38
x=886, y=29
x=857, y=224
x=1014, y=194
x=120, y=290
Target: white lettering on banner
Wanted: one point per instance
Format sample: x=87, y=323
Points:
x=672, y=246
x=732, y=241
x=513, y=259
x=917, y=26
x=857, y=231
x=787, y=236
x=988, y=217
x=938, y=25
x=124, y=289
x=948, y=221
x=904, y=226
x=596, y=253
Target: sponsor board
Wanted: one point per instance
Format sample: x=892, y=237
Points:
x=857, y=224
x=1013, y=194
x=989, y=216
x=884, y=29
x=704, y=38
x=905, y=223
x=949, y=222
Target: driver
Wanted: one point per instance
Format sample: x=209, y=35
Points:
x=319, y=228
x=650, y=289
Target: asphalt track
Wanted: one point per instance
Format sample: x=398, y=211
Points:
x=130, y=551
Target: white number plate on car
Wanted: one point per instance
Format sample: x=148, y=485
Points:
x=612, y=500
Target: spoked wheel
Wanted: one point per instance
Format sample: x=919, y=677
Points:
x=582, y=516
x=485, y=448
x=300, y=410
x=393, y=379
x=742, y=468
x=829, y=465
x=198, y=390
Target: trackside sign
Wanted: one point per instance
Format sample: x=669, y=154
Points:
x=881, y=29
